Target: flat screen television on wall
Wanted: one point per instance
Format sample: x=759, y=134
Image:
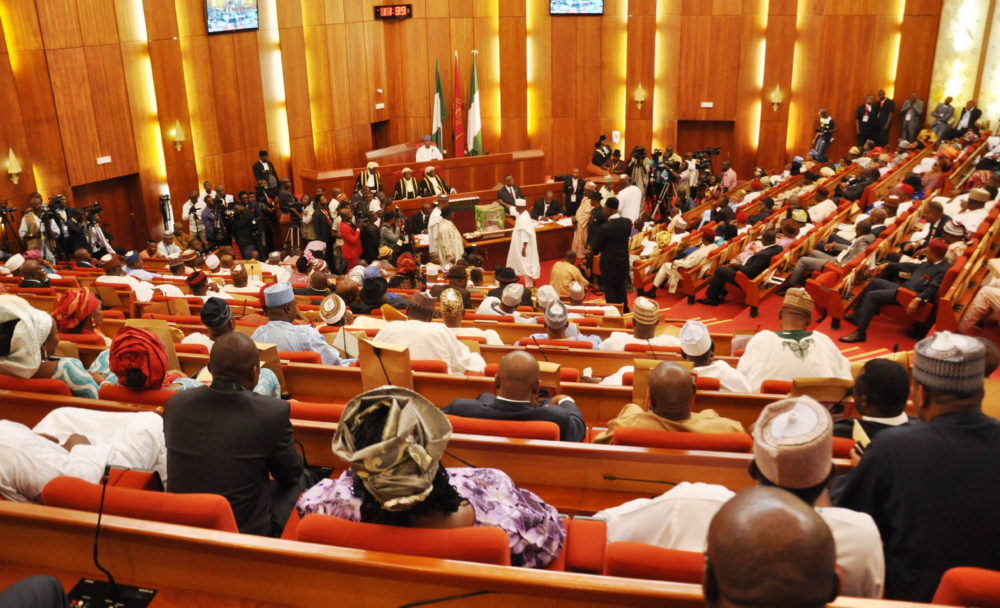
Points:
x=576, y=7
x=231, y=15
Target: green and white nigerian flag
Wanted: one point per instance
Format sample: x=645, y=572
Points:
x=440, y=113
x=474, y=126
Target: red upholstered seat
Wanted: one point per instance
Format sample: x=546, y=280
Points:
x=639, y=560
x=191, y=349
x=471, y=316
x=566, y=374
x=210, y=511
x=323, y=412
x=305, y=356
x=681, y=440
x=969, y=587
x=83, y=339
x=645, y=348
x=842, y=447
x=704, y=383
x=585, y=344
x=113, y=392
x=477, y=339
x=586, y=539
x=776, y=387
x=482, y=544
x=526, y=429
x=113, y=314
x=48, y=386
x=38, y=291
x=429, y=365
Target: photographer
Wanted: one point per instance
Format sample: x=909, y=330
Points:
x=216, y=234
x=244, y=228
x=191, y=213
x=30, y=230
x=98, y=241
x=638, y=167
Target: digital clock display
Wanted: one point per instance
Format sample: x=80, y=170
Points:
x=394, y=11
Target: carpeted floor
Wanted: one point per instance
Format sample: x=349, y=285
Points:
x=884, y=334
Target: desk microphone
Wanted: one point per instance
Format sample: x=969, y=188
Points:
x=90, y=592
x=539, y=346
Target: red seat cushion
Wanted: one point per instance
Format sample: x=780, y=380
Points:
x=969, y=587
x=586, y=539
x=83, y=339
x=705, y=383
x=483, y=544
x=48, y=386
x=323, y=412
x=585, y=344
x=681, y=440
x=182, y=319
x=305, y=356
x=191, y=349
x=520, y=429
x=201, y=510
x=776, y=387
x=429, y=365
x=645, y=348
x=639, y=560
x=113, y=392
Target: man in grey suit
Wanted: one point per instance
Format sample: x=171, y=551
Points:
x=911, y=112
x=942, y=117
x=832, y=252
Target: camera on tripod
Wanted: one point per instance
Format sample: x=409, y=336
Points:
x=92, y=211
x=703, y=158
x=6, y=212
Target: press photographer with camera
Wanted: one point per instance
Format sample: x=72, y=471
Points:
x=638, y=168
x=98, y=241
x=32, y=230
x=216, y=233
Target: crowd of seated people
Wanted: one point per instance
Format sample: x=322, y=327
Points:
x=230, y=433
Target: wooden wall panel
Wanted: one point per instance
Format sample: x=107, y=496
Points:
x=167, y=65
x=97, y=22
x=12, y=136
x=222, y=82
x=293, y=69
x=41, y=125
x=60, y=24
x=111, y=111
x=74, y=105
x=160, y=18
x=251, y=91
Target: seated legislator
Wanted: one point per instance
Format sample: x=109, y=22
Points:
x=793, y=553
x=880, y=394
x=564, y=272
x=429, y=340
x=407, y=275
x=281, y=310
x=836, y=253
x=137, y=360
x=577, y=299
x=793, y=443
x=794, y=351
x=547, y=206
x=78, y=311
x=645, y=318
x=225, y=439
x=407, y=187
x=381, y=434
x=671, y=394
x=458, y=278
x=557, y=326
x=924, y=280
x=433, y=184
x=40, y=591
x=669, y=270
x=932, y=488
x=33, y=275
x=698, y=348
x=429, y=151
x=77, y=442
x=506, y=303
x=756, y=264
x=452, y=311
x=517, y=398
x=504, y=277
x=28, y=337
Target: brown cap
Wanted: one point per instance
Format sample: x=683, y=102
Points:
x=645, y=311
x=980, y=195
x=798, y=300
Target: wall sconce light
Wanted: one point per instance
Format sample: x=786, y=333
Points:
x=776, y=97
x=639, y=96
x=13, y=166
x=179, y=138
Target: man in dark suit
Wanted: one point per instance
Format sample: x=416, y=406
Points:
x=546, y=207
x=509, y=192
x=886, y=110
x=970, y=116
x=925, y=280
x=855, y=187
x=418, y=223
x=866, y=121
x=517, y=398
x=263, y=171
x=612, y=243
x=225, y=439
x=757, y=264
x=573, y=191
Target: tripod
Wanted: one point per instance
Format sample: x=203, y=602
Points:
x=10, y=235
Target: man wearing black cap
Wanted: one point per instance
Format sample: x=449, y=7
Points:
x=925, y=280
x=933, y=488
x=506, y=276
x=458, y=278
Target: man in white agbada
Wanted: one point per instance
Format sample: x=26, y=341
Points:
x=506, y=304
x=78, y=443
x=577, y=297
x=523, y=254
x=428, y=151
x=428, y=340
x=629, y=199
x=452, y=311
x=144, y=291
x=450, y=246
x=645, y=318
x=433, y=223
x=792, y=446
x=793, y=352
x=698, y=348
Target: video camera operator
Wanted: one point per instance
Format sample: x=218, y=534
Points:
x=7, y=217
x=638, y=167
x=264, y=211
x=98, y=241
x=243, y=225
x=216, y=232
x=39, y=230
x=77, y=228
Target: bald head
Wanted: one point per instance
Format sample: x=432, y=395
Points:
x=234, y=358
x=32, y=270
x=768, y=548
x=517, y=376
x=671, y=391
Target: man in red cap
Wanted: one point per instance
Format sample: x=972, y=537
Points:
x=924, y=280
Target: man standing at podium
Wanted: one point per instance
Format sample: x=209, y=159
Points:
x=428, y=151
x=523, y=254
